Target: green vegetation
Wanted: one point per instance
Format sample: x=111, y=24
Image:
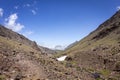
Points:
x=2, y=77
x=114, y=50
x=105, y=73
x=10, y=44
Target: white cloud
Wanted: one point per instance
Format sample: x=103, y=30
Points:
x=11, y=23
x=1, y=12
x=26, y=5
x=118, y=8
x=16, y=7
x=34, y=12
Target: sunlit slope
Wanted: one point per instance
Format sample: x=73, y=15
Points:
x=99, y=52
x=107, y=34
x=19, y=61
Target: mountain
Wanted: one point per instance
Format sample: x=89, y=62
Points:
x=7, y=33
x=95, y=57
x=47, y=51
x=23, y=59
x=99, y=52
x=59, y=47
x=108, y=31
x=71, y=45
x=4, y=32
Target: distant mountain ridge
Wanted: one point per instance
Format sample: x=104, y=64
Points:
x=46, y=50
x=4, y=32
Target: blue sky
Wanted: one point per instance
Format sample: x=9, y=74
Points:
x=55, y=22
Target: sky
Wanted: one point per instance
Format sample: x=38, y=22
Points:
x=55, y=23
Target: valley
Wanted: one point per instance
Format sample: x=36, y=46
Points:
x=95, y=57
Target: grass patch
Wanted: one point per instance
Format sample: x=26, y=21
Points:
x=105, y=72
x=10, y=44
x=2, y=77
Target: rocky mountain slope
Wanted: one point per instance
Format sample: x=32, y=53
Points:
x=108, y=31
x=96, y=57
x=99, y=52
x=4, y=32
x=22, y=59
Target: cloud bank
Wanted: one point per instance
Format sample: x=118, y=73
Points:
x=34, y=12
x=12, y=24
